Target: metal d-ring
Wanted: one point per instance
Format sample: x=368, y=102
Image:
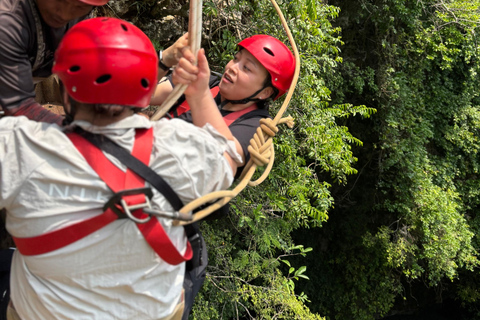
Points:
x=127, y=208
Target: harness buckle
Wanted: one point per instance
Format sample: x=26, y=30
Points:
x=117, y=203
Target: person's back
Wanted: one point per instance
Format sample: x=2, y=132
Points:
x=47, y=184
x=114, y=268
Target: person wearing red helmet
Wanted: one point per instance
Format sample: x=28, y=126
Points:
x=261, y=71
x=87, y=247
x=274, y=56
x=30, y=31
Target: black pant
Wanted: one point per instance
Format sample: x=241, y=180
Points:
x=194, y=278
x=5, y=263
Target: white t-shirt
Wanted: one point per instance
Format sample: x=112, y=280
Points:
x=46, y=184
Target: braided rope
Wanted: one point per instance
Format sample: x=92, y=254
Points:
x=261, y=145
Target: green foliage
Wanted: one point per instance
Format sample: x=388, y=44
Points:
x=409, y=218
x=244, y=276
x=257, y=269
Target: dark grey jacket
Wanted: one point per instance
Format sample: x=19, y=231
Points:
x=27, y=46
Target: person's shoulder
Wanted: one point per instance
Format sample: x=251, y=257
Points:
x=252, y=117
x=13, y=9
x=164, y=125
x=21, y=126
x=22, y=123
x=15, y=19
x=175, y=131
x=11, y=123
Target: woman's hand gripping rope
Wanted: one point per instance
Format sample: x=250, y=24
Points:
x=194, y=39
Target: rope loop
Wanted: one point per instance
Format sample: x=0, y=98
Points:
x=262, y=152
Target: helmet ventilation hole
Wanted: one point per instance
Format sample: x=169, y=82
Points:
x=74, y=68
x=268, y=51
x=103, y=78
x=145, y=83
x=124, y=27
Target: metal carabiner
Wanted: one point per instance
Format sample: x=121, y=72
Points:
x=128, y=210
x=174, y=215
x=117, y=199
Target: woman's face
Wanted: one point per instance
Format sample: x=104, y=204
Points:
x=57, y=13
x=243, y=76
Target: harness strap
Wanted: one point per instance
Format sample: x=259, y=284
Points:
x=184, y=106
x=117, y=180
x=134, y=164
x=63, y=237
x=40, y=39
x=231, y=117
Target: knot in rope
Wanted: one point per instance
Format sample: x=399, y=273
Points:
x=260, y=147
x=289, y=121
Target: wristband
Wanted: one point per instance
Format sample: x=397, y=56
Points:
x=161, y=65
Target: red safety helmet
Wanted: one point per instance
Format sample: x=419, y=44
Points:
x=94, y=2
x=107, y=61
x=275, y=56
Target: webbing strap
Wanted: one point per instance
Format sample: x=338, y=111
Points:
x=136, y=165
x=40, y=56
x=63, y=237
x=117, y=180
x=231, y=117
x=184, y=106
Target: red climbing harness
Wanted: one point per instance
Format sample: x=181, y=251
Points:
x=119, y=182
x=229, y=118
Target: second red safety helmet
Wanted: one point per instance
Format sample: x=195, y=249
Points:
x=94, y=2
x=275, y=56
x=107, y=61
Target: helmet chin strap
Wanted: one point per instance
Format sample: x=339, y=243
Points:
x=70, y=114
x=243, y=101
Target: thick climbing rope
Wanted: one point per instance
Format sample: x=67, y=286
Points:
x=194, y=40
x=261, y=145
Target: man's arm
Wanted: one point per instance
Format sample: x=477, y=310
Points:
x=33, y=111
x=163, y=89
x=171, y=55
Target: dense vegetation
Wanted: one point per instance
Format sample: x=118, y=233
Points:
x=371, y=207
